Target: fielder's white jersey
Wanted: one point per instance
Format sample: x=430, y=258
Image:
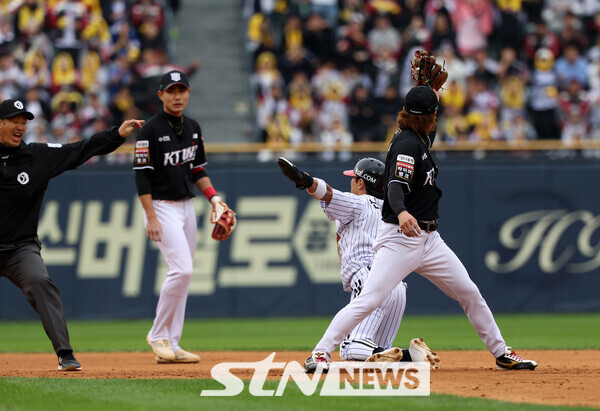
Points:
x=357, y=226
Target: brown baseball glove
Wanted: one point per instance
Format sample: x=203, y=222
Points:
x=224, y=220
x=426, y=72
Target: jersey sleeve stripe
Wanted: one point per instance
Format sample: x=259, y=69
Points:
x=144, y=167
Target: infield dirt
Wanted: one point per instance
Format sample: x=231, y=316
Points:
x=562, y=377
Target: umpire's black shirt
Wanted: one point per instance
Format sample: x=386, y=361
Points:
x=24, y=174
x=410, y=164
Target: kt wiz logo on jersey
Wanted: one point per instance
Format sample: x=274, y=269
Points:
x=182, y=156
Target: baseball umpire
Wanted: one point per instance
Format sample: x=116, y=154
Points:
x=408, y=239
x=27, y=169
x=357, y=215
x=169, y=162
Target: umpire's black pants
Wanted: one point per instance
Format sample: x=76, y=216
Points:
x=24, y=267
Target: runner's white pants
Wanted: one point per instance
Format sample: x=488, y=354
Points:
x=178, y=244
x=396, y=257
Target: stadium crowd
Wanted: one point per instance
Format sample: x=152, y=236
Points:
x=84, y=65
x=337, y=70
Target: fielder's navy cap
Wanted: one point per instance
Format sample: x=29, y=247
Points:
x=171, y=78
x=10, y=108
x=421, y=100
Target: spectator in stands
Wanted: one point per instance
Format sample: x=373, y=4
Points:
x=543, y=96
x=417, y=33
x=571, y=66
x=351, y=46
x=384, y=72
x=303, y=109
x=572, y=33
x=319, y=37
x=296, y=58
x=574, y=104
x=384, y=37
x=473, y=22
x=147, y=17
x=541, y=37
x=336, y=133
x=12, y=78
x=328, y=9
x=68, y=19
x=442, y=32
x=64, y=73
x=513, y=98
x=387, y=108
x=362, y=115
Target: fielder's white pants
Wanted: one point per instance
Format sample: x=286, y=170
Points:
x=178, y=244
x=396, y=257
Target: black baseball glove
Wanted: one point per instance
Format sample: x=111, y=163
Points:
x=301, y=178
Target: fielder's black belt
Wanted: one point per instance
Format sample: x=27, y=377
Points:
x=428, y=226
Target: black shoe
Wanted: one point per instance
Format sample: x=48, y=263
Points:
x=68, y=363
x=512, y=361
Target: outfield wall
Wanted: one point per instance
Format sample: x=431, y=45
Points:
x=529, y=234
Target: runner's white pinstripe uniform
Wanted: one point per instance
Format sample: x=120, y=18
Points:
x=357, y=220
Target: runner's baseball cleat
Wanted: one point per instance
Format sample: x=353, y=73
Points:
x=513, y=361
x=181, y=357
x=315, y=360
x=393, y=354
x=162, y=348
x=419, y=351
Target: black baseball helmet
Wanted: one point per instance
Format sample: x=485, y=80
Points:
x=371, y=171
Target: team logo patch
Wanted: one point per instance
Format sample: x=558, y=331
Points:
x=23, y=178
x=175, y=76
x=142, y=156
x=19, y=105
x=405, y=159
x=404, y=170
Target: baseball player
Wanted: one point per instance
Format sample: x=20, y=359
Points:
x=27, y=169
x=357, y=215
x=169, y=161
x=408, y=239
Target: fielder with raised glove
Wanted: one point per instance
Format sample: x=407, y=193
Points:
x=426, y=72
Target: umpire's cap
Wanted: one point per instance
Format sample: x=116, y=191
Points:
x=171, y=78
x=371, y=171
x=11, y=108
x=421, y=100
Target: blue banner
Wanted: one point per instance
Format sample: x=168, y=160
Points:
x=528, y=234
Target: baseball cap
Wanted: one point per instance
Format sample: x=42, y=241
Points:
x=171, y=78
x=421, y=100
x=10, y=108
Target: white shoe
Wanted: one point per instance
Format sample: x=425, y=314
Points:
x=181, y=356
x=419, y=351
x=393, y=354
x=162, y=348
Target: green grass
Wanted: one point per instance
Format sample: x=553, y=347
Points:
x=114, y=395
x=535, y=331
x=564, y=331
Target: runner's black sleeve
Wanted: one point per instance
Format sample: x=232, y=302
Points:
x=396, y=198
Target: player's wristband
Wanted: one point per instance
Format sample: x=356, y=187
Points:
x=321, y=190
x=209, y=192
